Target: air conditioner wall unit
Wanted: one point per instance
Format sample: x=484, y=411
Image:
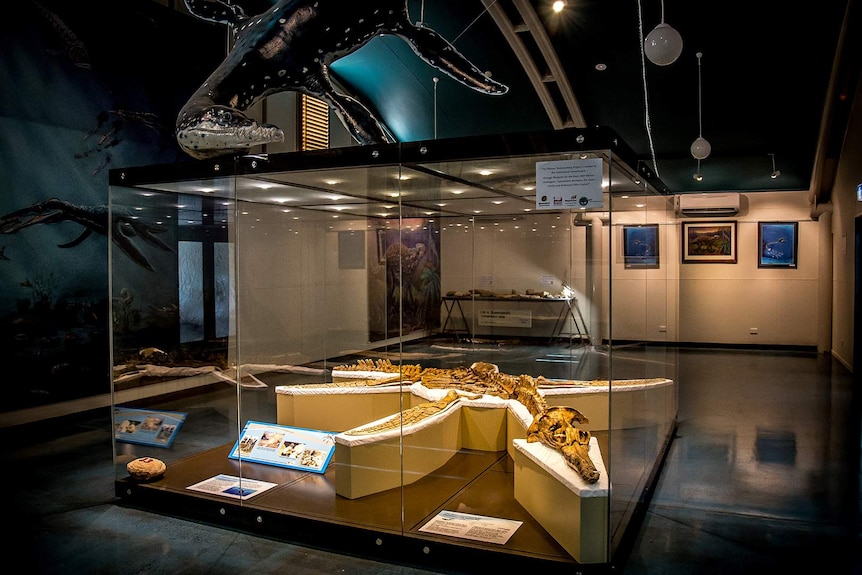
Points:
x=710, y=204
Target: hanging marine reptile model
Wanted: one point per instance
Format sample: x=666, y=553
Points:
x=290, y=47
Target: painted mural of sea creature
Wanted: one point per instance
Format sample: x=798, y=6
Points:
x=290, y=48
x=124, y=228
x=73, y=47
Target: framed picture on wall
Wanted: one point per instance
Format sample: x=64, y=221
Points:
x=709, y=242
x=776, y=244
x=640, y=246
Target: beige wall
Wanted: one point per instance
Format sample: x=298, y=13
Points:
x=725, y=303
x=845, y=210
x=697, y=303
x=295, y=304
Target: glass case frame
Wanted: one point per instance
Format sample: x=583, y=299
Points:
x=297, y=298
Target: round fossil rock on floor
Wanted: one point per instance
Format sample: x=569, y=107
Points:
x=145, y=468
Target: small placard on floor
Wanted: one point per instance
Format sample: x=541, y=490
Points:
x=231, y=486
x=475, y=527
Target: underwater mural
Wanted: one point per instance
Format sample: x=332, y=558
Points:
x=87, y=86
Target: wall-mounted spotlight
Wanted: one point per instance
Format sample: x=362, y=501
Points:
x=775, y=173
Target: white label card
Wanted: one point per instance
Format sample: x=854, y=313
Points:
x=569, y=184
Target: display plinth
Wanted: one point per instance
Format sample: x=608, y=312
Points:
x=336, y=409
x=544, y=485
x=370, y=464
x=483, y=428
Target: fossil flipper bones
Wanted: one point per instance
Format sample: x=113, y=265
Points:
x=290, y=48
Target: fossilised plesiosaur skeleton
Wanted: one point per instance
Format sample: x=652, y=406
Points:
x=552, y=426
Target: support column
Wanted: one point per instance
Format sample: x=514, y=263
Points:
x=824, y=287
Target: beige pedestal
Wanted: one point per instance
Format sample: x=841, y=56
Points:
x=483, y=428
x=337, y=411
x=574, y=512
x=366, y=464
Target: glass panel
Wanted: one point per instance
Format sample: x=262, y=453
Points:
x=643, y=368
x=319, y=319
x=518, y=284
x=173, y=391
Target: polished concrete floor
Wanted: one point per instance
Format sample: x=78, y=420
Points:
x=763, y=476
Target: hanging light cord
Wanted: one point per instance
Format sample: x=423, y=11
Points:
x=699, y=97
x=646, y=94
x=473, y=22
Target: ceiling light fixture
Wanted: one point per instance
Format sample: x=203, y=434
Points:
x=698, y=177
x=664, y=44
x=700, y=148
x=559, y=5
x=775, y=173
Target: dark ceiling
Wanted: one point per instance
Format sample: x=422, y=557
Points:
x=770, y=84
x=766, y=74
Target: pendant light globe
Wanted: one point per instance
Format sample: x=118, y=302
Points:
x=700, y=148
x=663, y=45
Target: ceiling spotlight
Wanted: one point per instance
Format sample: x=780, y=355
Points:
x=663, y=45
x=698, y=177
x=775, y=173
x=700, y=148
x=559, y=5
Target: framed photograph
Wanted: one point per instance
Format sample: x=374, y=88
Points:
x=776, y=244
x=709, y=242
x=640, y=246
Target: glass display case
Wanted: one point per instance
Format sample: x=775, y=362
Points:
x=419, y=351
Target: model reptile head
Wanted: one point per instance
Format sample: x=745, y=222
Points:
x=290, y=48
